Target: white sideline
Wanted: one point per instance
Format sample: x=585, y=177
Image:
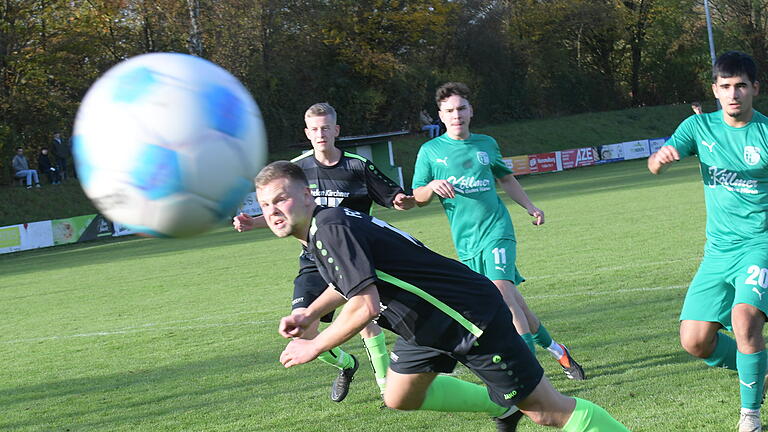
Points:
x=156, y=327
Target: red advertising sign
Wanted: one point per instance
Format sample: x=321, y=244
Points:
x=578, y=157
x=542, y=162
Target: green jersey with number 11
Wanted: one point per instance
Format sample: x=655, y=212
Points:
x=476, y=215
x=734, y=168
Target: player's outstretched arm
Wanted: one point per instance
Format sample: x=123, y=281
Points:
x=296, y=323
x=359, y=311
x=512, y=187
x=660, y=160
x=243, y=222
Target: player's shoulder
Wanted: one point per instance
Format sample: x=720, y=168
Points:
x=759, y=118
x=326, y=217
x=304, y=159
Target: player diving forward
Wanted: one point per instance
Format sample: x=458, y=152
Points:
x=337, y=178
x=442, y=311
x=462, y=168
x=730, y=287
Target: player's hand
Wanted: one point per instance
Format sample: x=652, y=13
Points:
x=243, y=222
x=293, y=325
x=298, y=351
x=538, y=215
x=666, y=155
x=443, y=188
x=404, y=202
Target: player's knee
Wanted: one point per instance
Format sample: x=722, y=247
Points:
x=399, y=402
x=544, y=418
x=695, y=345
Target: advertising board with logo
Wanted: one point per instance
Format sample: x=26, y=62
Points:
x=577, y=157
x=635, y=149
x=518, y=164
x=543, y=162
x=610, y=153
x=655, y=144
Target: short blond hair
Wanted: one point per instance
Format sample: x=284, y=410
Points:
x=278, y=170
x=321, y=109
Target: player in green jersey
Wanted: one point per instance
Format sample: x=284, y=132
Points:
x=462, y=169
x=730, y=287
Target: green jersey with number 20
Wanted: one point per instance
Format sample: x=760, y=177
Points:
x=734, y=168
x=476, y=215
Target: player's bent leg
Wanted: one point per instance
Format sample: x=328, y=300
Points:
x=376, y=346
x=699, y=338
x=538, y=333
x=547, y=407
x=508, y=291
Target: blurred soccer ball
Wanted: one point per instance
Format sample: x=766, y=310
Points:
x=168, y=144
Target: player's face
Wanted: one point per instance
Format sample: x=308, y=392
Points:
x=322, y=132
x=287, y=207
x=735, y=95
x=455, y=113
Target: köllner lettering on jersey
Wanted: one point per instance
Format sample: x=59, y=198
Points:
x=466, y=185
x=730, y=180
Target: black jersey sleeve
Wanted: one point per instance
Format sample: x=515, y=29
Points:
x=380, y=187
x=345, y=258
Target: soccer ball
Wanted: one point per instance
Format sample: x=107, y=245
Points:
x=168, y=144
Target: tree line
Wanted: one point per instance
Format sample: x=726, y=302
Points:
x=377, y=61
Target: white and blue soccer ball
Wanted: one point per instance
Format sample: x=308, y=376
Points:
x=168, y=144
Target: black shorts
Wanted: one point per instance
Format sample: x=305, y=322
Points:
x=501, y=359
x=308, y=285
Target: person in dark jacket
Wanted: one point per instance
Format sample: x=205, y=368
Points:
x=44, y=165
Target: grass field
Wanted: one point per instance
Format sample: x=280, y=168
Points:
x=180, y=335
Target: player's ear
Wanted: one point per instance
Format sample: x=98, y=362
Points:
x=306, y=132
x=338, y=130
x=756, y=84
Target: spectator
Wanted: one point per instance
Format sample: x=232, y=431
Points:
x=45, y=166
x=21, y=168
x=61, y=151
x=428, y=124
x=696, y=107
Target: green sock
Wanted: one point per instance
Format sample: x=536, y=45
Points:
x=528, y=339
x=542, y=337
x=588, y=417
x=450, y=394
x=337, y=357
x=724, y=354
x=376, y=347
x=751, y=368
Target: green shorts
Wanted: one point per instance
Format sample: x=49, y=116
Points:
x=728, y=276
x=497, y=261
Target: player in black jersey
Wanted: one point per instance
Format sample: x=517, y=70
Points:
x=338, y=178
x=442, y=311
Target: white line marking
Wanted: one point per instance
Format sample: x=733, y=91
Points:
x=615, y=268
x=138, y=330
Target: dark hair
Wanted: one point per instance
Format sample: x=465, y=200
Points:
x=449, y=89
x=733, y=64
x=280, y=169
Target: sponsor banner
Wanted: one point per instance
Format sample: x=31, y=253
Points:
x=250, y=205
x=636, y=149
x=610, y=153
x=36, y=235
x=518, y=164
x=543, y=162
x=655, y=144
x=121, y=230
x=10, y=239
x=578, y=157
x=80, y=229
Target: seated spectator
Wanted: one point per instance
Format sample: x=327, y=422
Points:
x=21, y=168
x=45, y=166
x=429, y=125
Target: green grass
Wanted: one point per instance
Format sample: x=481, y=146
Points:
x=176, y=335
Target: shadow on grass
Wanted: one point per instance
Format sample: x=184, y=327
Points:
x=139, y=396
